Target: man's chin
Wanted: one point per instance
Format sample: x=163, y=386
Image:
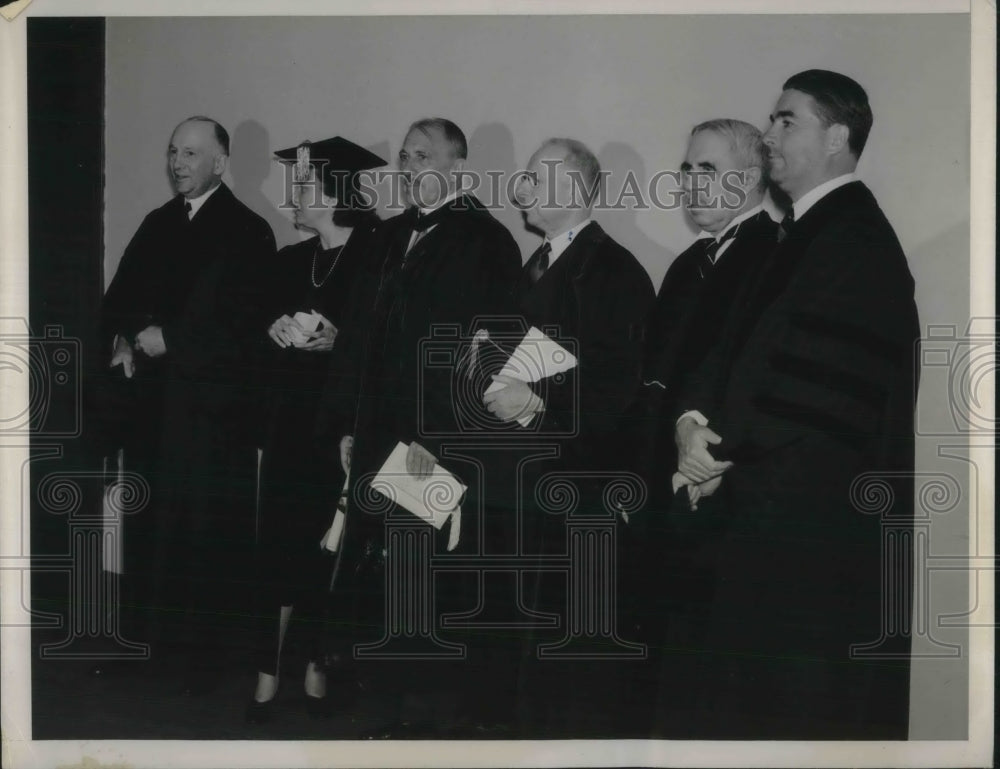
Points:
x=428, y=202
x=699, y=216
x=531, y=217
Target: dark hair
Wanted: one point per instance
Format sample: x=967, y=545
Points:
x=221, y=135
x=452, y=133
x=839, y=100
x=352, y=209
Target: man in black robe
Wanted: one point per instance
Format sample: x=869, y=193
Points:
x=811, y=390
x=590, y=294
x=724, y=179
x=182, y=318
x=437, y=267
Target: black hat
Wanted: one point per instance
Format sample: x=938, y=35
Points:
x=335, y=156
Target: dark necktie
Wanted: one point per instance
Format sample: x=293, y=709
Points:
x=706, y=260
x=786, y=225
x=539, y=262
x=422, y=222
x=187, y=208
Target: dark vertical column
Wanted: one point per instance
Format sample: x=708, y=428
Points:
x=65, y=65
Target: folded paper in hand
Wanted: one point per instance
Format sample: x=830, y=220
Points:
x=433, y=499
x=309, y=321
x=536, y=357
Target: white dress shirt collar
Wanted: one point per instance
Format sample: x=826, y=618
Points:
x=807, y=201
x=736, y=222
x=199, y=201
x=417, y=234
x=561, y=241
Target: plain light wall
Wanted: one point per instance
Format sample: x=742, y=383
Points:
x=631, y=87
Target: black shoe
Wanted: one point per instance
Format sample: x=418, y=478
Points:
x=260, y=712
x=319, y=707
x=343, y=690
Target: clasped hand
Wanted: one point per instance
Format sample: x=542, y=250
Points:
x=515, y=401
x=695, y=463
x=150, y=341
x=124, y=355
x=285, y=331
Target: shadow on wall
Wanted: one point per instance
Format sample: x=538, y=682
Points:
x=250, y=164
x=491, y=150
x=623, y=164
x=383, y=192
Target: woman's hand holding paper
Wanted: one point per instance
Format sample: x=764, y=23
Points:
x=322, y=339
x=285, y=330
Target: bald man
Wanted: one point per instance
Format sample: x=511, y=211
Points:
x=181, y=319
x=589, y=292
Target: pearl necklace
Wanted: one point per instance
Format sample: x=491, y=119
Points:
x=312, y=275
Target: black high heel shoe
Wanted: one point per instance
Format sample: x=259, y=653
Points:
x=348, y=691
x=259, y=712
x=319, y=707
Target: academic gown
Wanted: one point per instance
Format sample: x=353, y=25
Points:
x=594, y=298
x=692, y=307
x=394, y=379
x=812, y=389
x=686, y=321
x=194, y=410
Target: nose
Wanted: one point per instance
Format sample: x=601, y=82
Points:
x=768, y=139
x=522, y=190
x=519, y=191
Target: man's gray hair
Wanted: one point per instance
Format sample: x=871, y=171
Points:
x=579, y=156
x=745, y=140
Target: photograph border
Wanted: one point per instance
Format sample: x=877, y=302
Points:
x=15, y=579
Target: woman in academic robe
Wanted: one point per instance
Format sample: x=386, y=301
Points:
x=298, y=489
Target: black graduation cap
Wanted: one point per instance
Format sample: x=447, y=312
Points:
x=335, y=156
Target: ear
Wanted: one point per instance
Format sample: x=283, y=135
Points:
x=458, y=164
x=751, y=177
x=220, y=164
x=836, y=138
